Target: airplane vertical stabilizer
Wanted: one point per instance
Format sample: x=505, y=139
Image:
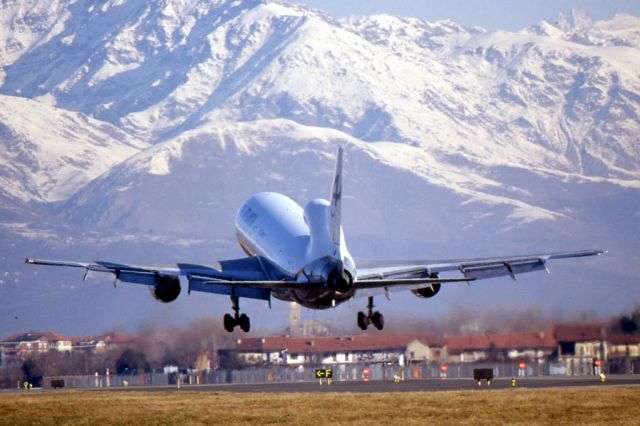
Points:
x=335, y=208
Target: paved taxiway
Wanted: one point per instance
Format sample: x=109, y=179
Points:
x=431, y=385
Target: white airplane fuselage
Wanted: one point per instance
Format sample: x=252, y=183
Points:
x=300, y=243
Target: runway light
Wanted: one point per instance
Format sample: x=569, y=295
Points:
x=366, y=375
x=443, y=371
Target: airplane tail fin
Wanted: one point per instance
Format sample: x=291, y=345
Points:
x=336, y=201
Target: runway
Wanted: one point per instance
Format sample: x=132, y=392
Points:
x=430, y=385
x=378, y=386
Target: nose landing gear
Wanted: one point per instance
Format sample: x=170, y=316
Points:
x=375, y=318
x=230, y=322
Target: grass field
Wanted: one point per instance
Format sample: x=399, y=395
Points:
x=543, y=406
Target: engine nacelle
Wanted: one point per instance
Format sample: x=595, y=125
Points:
x=328, y=272
x=167, y=288
x=427, y=292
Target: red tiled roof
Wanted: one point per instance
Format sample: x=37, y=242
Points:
x=457, y=344
x=579, y=333
x=334, y=344
x=32, y=336
x=624, y=339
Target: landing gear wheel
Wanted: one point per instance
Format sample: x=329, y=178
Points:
x=375, y=318
x=362, y=321
x=378, y=320
x=229, y=322
x=244, y=323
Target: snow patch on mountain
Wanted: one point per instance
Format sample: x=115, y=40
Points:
x=49, y=153
x=577, y=27
x=25, y=24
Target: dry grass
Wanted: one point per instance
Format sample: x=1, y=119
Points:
x=548, y=406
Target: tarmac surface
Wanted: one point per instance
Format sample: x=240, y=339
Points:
x=430, y=385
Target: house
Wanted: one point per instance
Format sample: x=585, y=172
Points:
x=376, y=348
x=623, y=345
x=89, y=344
x=500, y=347
x=426, y=350
x=580, y=346
x=103, y=342
x=623, y=353
x=25, y=344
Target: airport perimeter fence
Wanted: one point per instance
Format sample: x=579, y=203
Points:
x=341, y=372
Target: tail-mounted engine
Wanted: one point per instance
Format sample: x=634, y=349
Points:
x=427, y=292
x=328, y=271
x=166, y=289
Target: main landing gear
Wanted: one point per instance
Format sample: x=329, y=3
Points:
x=375, y=318
x=230, y=322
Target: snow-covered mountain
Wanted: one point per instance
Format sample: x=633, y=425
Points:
x=149, y=122
x=552, y=102
x=49, y=153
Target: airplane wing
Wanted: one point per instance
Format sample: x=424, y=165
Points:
x=249, y=277
x=257, y=277
x=385, y=274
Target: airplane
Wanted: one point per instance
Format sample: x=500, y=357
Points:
x=300, y=255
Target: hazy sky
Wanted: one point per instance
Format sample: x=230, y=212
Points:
x=490, y=14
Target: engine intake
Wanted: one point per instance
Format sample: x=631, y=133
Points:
x=339, y=282
x=427, y=292
x=167, y=288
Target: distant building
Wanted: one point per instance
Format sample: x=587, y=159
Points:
x=25, y=344
x=103, y=342
x=580, y=346
x=314, y=328
x=426, y=350
x=294, y=319
x=335, y=350
x=500, y=347
x=623, y=345
x=623, y=354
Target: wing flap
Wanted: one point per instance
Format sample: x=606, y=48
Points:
x=136, y=277
x=500, y=269
x=397, y=273
x=386, y=283
x=228, y=288
x=475, y=269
